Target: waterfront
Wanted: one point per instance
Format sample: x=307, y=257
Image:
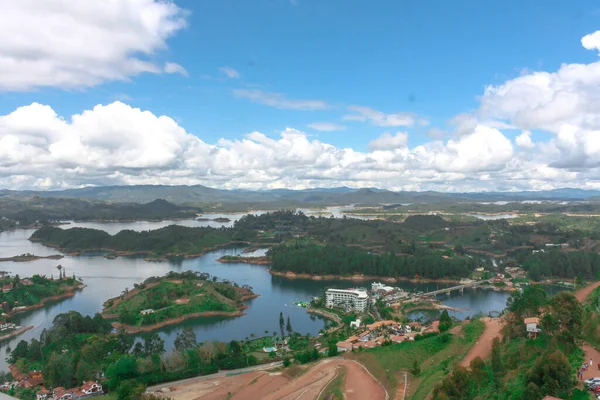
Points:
x=106, y=278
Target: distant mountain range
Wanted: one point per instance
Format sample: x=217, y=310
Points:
x=284, y=197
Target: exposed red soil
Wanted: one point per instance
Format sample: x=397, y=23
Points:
x=483, y=347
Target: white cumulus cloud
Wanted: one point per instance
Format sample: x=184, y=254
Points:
x=75, y=44
x=229, y=72
x=387, y=141
x=118, y=144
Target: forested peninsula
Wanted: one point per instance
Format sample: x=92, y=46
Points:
x=37, y=211
x=171, y=241
x=421, y=246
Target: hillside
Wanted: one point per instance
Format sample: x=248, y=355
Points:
x=160, y=301
x=170, y=240
x=198, y=194
x=28, y=211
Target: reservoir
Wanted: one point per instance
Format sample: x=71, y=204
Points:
x=106, y=278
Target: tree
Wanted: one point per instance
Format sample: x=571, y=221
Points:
x=281, y=324
x=130, y=390
x=445, y=321
x=552, y=373
x=235, y=348
x=416, y=369
x=332, y=351
x=289, y=326
x=85, y=371
x=123, y=369
x=286, y=362
x=478, y=370
x=496, y=362
x=185, y=340
x=455, y=386
x=567, y=315
x=20, y=351
x=153, y=344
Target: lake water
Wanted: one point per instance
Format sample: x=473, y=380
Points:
x=493, y=216
x=108, y=278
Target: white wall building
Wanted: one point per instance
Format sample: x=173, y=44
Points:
x=352, y=298
x=377, y=286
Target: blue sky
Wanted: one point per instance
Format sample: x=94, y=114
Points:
x=315, y=60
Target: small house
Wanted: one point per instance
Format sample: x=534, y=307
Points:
x=147, y=311
x=26, y=282
x=355, y=324
x=6, y=288
x=91, y=387
x=532, y=326
x=42, y=394
x=397, y=338
x=365, y=336
x=344, y=346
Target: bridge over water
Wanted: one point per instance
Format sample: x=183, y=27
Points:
x=461, y=288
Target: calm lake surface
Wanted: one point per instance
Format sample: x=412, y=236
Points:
x=108, y=278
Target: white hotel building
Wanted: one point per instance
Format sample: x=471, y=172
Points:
x=354, y=298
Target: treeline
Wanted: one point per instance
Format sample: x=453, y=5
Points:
x=337, y=260
x=557, y=263
x=78, y=348
x=46, y=210
x=521, y=368
x=171, y=239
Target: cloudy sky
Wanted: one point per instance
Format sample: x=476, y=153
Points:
x=465, y=95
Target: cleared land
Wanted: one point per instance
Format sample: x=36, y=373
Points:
x=483, y=346
x=358, y=384
x=583, y=293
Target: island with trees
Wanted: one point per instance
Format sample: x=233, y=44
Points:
x=169, y=242
x=22, y=294
x=173, y=298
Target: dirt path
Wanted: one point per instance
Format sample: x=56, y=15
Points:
x=359, y=384
x=583, y=293
x=483, y=346
x=594, y=355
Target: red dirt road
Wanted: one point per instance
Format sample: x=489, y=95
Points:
x=583, y=293
x=483, y=347
x=259, y=385
x=594, y=355
x=359, y=383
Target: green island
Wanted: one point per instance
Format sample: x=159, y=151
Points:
x=22, y=294
x=173, y=298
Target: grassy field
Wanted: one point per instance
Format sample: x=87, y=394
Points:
x=436, y=356
x=335, y=388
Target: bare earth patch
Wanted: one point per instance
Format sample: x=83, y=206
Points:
x=359, y=384
x=483, y=347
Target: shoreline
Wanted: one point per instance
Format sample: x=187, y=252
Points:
x=69, y=292
x=31, y=258
x=244, y=260
x=16, y=332
x=149, y=328
x=358, y=278
x=125, y=253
